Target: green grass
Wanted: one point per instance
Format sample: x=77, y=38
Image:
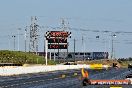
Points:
x=125, y=63
x=20, y=57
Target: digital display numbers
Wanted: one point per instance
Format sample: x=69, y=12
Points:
x=58, y=34
x=55, y=40
x=57, y=46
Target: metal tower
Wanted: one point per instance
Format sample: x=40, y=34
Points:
x=33, y=44
x=64, y=24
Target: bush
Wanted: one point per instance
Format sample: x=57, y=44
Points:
x=19, y=57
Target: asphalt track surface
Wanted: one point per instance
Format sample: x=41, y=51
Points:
x=62, y=79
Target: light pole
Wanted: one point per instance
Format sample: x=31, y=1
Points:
x=18, y=37
x=74, y=49
x=9, y=41
x=26, y=39
x=14, y=41
x=112, y=45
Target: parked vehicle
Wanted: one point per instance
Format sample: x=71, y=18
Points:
x=130, y=65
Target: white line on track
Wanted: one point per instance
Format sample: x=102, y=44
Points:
x=56, y=78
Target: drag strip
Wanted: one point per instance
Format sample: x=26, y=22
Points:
x=61, y=79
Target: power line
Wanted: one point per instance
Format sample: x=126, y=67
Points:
x=101, y=31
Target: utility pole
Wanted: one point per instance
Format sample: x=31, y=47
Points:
x=74, y=49
x=9, y=41
x=112, y=45
x=105, y=46
x=112, y=48
x=18, y=37
x=83, y=48
x=26, y=39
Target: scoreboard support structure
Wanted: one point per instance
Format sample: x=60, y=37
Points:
x=46, y=51
x=56, y=40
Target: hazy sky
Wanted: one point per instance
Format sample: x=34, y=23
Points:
x=111, y=15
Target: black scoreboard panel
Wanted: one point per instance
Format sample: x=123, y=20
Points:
x=57, y=40
x=57, y=46
x=58, y=34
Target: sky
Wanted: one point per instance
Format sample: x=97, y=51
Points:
x=99, y=15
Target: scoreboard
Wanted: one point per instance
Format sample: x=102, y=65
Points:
x=57, y=39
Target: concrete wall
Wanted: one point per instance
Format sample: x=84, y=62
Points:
x=6, y=71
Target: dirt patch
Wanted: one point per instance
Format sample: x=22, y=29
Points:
x=104, y=62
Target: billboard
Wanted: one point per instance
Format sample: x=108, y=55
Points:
x=100, y=55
